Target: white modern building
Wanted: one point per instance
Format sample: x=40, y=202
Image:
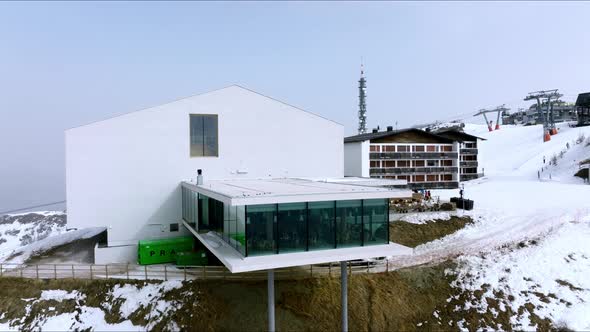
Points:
x=271, y=193
x=125, y=173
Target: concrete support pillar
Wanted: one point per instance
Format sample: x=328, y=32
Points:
x=271, y=300
x=344, y=295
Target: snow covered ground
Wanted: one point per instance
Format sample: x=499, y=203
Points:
x=122, y=301
x=513, y=205
x=28, y=234
x=18, y=230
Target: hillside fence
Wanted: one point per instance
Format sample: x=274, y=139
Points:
x=173, y=272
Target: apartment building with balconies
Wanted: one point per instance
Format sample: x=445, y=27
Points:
x=468, y=151
x=425, y=160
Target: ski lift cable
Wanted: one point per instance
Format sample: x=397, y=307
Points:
x=31, y=207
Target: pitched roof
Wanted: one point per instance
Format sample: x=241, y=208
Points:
x=456, y=135
x=381, y=134
x=583, y=100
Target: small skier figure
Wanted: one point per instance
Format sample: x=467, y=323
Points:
x=543, y=159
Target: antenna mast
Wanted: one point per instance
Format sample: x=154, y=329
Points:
x=362, y=102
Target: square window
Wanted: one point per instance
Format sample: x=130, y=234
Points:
x=174, y=227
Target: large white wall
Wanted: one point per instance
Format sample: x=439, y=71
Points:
x=356, y=159
x=124, y=173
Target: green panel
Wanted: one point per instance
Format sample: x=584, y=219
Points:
x=163, y=250
x=192, y=258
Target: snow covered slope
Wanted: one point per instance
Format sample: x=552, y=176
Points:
x=19, y=230
x=523, y=200
x=519, y=151
x=28, y=234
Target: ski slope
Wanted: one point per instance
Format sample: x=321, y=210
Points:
x=514, y=204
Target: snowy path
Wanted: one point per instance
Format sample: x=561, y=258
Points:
x=511, y=203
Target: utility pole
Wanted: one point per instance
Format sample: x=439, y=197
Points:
x=362, y=102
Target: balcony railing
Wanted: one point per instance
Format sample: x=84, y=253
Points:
x=468, y=151
x=433, y=185
x=413, y=155
x=406, y=170
x=468, y=163
x=470, y=176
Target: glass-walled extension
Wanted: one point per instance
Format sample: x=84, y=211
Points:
x=267, y=229
x=206, y=214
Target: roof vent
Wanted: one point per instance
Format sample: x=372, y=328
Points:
x=199, y=177
x=389, y=128
x=375, y=130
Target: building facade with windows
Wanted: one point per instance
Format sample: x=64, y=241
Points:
x=468, y=152
x=583, y=109
x=124, y=173
x=425, y=160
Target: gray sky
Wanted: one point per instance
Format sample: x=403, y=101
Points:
x=66, y=64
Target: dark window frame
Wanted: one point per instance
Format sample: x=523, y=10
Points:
x=216, y=116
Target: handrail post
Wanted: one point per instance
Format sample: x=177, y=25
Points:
x=204, y=272
x=184, y=273
x=330, y=270
x=349, y=268
x=165, y=273
x=368, y=267
x=21, y=271
x=145, y=271
x=37, y=270
x=106, y=271
x=90, y=271
x=127, y=271
x=311, y=270
x=54, y=271
x=1, y=272
x=73, y=274
x=386, y=265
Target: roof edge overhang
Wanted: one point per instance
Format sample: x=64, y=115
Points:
x=297, y=198
x=236, y=263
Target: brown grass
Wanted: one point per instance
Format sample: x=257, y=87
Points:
x=412, y=235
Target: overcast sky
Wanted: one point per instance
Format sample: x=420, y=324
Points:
x=66, y=64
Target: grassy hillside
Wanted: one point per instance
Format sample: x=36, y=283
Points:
x=388, y=301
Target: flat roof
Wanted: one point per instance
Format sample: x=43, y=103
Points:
x=293, y=190
x=236, y=263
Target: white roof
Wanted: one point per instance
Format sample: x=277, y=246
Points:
x=237, y=263
x=290, y=190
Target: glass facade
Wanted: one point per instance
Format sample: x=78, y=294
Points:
x=321, y=225
x=349, y=223
x=375, y=221
x=261, y=230
x=292, y=227
x=267, y=229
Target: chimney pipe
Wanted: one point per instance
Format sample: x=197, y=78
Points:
x=389, y=128
x=375, y=130
x=199, y=177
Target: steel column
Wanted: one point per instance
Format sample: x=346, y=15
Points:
x=344, y=295
x=487, y=122
x=271, y=300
